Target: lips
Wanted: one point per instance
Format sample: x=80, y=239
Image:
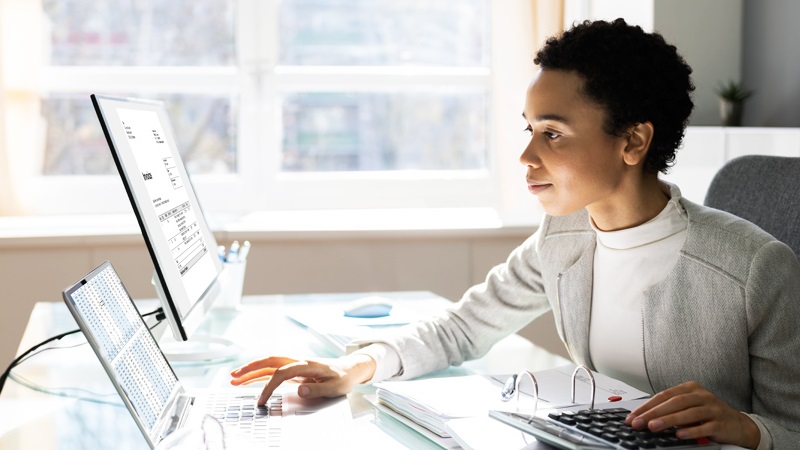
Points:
x=536, y=187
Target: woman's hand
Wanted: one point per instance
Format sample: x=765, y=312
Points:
x=699, y=413
x=317, y=377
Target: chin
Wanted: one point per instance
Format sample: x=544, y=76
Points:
x=559, y=210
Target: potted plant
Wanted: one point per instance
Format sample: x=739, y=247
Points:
x=731, y=101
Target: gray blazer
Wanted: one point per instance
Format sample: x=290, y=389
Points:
x=726, y=316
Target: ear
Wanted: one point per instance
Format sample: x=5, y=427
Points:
x=640, y=137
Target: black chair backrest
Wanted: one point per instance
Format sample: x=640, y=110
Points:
x=764, y=190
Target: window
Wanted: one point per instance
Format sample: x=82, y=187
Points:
x=292, y=104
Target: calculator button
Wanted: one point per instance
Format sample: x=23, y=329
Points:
x=596, y=431
x=610, y=437
x=626, y=436
x=567, y=420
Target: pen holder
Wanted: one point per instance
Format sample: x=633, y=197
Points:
x=231, y=283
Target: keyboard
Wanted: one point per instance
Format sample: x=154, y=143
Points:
x=240, y=413
x=597, y=429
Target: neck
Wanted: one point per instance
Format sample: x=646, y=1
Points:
x=633, y=203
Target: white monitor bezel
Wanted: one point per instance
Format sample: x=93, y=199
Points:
x=183, y=326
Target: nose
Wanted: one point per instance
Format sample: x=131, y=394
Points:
x=529, y=156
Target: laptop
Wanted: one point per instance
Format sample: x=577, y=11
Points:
x=164, y=410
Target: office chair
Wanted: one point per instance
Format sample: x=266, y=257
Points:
x=764, y=190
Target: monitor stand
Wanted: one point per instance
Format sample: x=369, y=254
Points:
x=199, y=348
x=202, y=346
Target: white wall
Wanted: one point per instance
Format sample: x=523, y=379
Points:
x=771, y=63
x=707, y=33
x=445, y=262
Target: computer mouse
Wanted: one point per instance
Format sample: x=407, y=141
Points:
x=368, y=307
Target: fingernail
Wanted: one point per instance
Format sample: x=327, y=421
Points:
x=260, y=401
x=302, y=391
x=656, y=425
x=637, y=423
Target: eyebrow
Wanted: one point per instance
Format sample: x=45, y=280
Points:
x=543, y=117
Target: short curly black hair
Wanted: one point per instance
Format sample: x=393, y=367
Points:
x=635, y=76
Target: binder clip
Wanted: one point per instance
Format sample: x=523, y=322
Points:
x=591, y=378
x=511, y=389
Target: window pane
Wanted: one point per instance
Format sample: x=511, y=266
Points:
x=384, y=32
x=140, y=32
x=205, y=127
x=361, y=132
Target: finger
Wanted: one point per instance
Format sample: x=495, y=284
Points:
x=250, y=376
x=246, y=383
x=254, y=377
x=296, y=369
x=272, y=361
x=328, y=389
x=685, y=417
x=701, y=430
x=654, y=415
x=659, y=399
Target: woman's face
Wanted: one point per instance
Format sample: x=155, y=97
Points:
x=571, y=162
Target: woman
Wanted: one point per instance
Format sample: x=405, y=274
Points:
x=674, y=298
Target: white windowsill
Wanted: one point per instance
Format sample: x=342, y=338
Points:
x=283, y=225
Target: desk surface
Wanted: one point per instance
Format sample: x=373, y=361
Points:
x=31, y=419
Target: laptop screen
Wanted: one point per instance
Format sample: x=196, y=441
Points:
x=111, y=323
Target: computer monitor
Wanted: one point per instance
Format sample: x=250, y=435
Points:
x=181, y=245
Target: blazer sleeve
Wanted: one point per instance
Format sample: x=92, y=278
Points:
x=773, y=313
x=511, y=296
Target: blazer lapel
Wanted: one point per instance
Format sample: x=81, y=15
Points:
x=575, y=300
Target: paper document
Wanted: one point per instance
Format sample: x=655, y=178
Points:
x=485, y=433
x=555, y=386
x=335, y=330
x=432, y=402
x=332, y=316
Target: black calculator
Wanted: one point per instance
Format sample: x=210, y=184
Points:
x=596, y=429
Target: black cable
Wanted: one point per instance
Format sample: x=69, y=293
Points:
x=27, y=352
x=21, y=357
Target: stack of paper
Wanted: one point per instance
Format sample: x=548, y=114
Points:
x=428, y=404
x=432, y=402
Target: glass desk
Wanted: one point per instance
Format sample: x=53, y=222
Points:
x=87, y=412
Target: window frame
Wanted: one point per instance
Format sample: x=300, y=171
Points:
x=259, y=82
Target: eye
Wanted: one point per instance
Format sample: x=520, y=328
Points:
x=550, y=135
x=529, y=129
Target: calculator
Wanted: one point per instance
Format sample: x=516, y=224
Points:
x=596, y=429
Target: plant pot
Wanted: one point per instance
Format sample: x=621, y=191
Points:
x=730, y=112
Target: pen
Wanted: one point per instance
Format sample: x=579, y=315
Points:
x=233, y=252
x=244, y=250
x=221, y=252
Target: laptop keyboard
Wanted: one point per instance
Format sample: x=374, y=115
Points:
x=239, y=413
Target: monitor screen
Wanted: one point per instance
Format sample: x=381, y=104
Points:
x=178, y=238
